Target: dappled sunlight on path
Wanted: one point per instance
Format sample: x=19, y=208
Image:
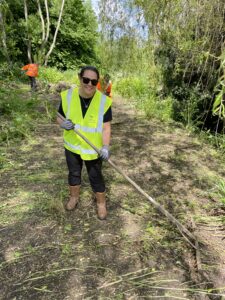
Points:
x=48, y=253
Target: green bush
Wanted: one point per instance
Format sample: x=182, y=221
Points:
x=18, y=115
x=145, y=97
x=71, y=76
x=131, y=87
x=218, y=192
x=12, y=73
x=154, y=107
x=217, y=141
x=53, y=75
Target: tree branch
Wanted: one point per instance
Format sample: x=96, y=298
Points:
x=48, y=21
x=55, y=35
x=3, y=38
x=28, y=35
x=42, y=20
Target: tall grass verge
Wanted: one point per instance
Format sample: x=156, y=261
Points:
x=145, y=97
x=20, y=114
x=49, y=75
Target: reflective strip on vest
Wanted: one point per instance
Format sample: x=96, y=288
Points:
x=83, y=151
x=100, y=114
x=69, y=97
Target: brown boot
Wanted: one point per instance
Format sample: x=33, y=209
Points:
x=101, y=206
x=74, y=197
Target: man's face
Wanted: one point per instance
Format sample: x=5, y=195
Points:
x=88, y=82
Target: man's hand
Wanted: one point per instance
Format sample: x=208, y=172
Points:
x=104, y=153
x=67, y=125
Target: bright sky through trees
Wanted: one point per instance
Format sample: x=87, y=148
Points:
x=95, y=5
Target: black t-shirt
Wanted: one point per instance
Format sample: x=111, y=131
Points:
x=85, y=103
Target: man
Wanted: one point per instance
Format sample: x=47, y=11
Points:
x=105, y=85
x=90, y=112
x=32, y=72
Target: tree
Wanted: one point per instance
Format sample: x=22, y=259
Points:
x=122, y=36
x=3, y=7
x=55, y=34
x=28, y=32
x=64, y=37
x=42, y=49
x=77, y=37
x=188, y=39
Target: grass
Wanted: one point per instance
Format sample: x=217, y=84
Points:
x=21, y=114
x=143, y=94
x=51, y=247
x=52, y=75
x=218, y=192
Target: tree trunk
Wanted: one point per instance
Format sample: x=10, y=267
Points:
x=3, y=38
x=55, y=35
x=42, y=21
x=48, y=21
x=28, y=34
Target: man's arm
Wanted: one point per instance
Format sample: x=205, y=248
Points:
x=106, y=134
x=24, y=68
x=59, y=121
x=60, y=110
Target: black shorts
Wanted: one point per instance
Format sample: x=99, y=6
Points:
x=94, y=170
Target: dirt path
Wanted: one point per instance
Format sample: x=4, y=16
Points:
x=47, y=253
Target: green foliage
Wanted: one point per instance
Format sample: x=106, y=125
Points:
x=219, y=102
x=14, y=74
x=218, y=105
x=71, y=76
x=187, y=52
x=217, y=141
x=76, y=40
x=131, y=87
x=17, y=116
x=13, y=15
x=53, y=75
x=162, y=109
x=219, y=192
x=50, y=75
x=188, y=105
x=145, y=97
x=77, y=37
x=182, y=40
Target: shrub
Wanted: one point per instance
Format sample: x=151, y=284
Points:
x=51, y=75
x=154, y=107
x=145, y=97
x=18, y=115
x=131, y=87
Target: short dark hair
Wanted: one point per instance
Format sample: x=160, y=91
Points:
x=87, y=68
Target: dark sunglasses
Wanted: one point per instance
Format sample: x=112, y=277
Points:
x=87, y=80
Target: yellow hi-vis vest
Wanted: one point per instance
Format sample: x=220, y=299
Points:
x=91, y=126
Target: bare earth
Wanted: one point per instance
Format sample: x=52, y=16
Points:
x=48, y=253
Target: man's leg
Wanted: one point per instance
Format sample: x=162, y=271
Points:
x=33, y=83
x=94, y=169
x=74, y=164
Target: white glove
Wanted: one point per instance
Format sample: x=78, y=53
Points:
x=67, y=125
x=104, y=153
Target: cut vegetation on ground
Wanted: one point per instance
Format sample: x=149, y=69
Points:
x=48, y=253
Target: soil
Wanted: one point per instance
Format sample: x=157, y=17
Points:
x=137, y=253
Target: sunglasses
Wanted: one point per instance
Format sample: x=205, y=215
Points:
x=86, y=80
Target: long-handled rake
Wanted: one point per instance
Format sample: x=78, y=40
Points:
x=188, y=236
